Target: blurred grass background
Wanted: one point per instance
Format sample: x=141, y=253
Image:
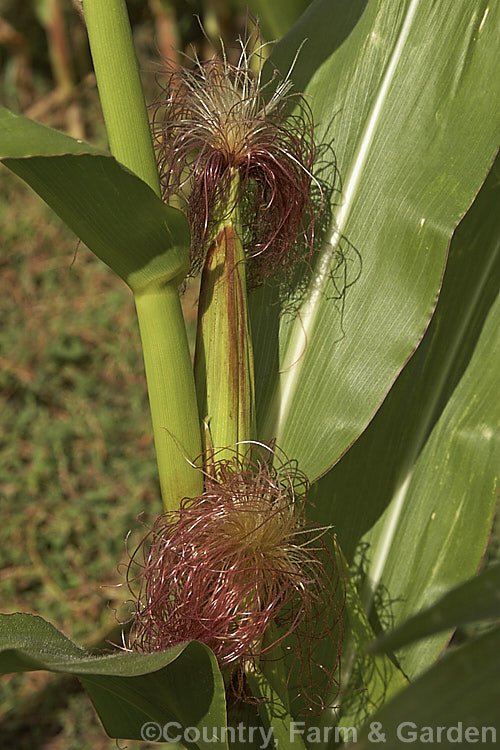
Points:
x=77, y=462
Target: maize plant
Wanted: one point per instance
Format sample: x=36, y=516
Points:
x=327, y=464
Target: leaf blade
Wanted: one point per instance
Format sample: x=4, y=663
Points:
x=424, y=165
x=420, y=483
x=461, y=691
x=476, y=599
x=127, y=689
x=108, y=207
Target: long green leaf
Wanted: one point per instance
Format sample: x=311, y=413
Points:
x=412, y=501
x=477, y=599
x=110, y=209
x=461, y=694
x=408, y=101
x=442, y=509
x=134, y=694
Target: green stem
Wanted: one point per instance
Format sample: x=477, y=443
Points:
x=169, y=373
x=120, y=87
x=171, y=394
x=224, y=356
